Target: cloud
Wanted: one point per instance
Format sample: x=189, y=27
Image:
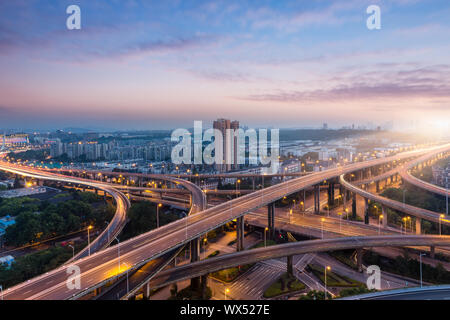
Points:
x=429, y=82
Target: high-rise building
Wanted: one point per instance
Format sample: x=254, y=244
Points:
x=229, y=144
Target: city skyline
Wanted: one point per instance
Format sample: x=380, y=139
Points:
x=148, y=65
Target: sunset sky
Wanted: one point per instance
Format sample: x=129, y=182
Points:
x=163, y=64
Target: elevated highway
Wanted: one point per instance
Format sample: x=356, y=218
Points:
x=399, y=206
x=210, y=265
x=102, y=266
x=405, y=173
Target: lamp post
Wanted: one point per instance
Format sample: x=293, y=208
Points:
x=381, y=217
x=157, y=214
x=226, y=291
x=326, y=268
x=265, y=231
x=238, y=182
x=73, y=251
x=440, y=224
x=321, y=222
x=420, y=258
x=128, y=285
x=107, y=229
x=340, y=221
x=89, y=240
x=118, y=251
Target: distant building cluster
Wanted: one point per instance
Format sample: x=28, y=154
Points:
x=441, y=175
x=22, y=192
x=112, y=151
x=13, y=140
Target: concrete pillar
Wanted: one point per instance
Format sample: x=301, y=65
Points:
x=354, y=213
x=290, y=269
x=204, y=283
x=331, y=193
x=366, y=211
x=271, y=220
x=418, y=226
x=385, y=216
x=378, y=186
x=146, y=291
x=432, y=252
x=316, y=199
x=195, y=256
x=240, y=233
x=359, y=254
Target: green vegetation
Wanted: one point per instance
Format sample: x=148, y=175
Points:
x=261, y=244
x=418, y=198
x=30, y=155
x=345, y=257
x=38, y=221
x=285, y=284
x=354, y=291
x=315, y=295
x=333, y=279
x=142, y=218
x=229, y=275
x=14, y=206
x=32, y=265
x=215, y=253
x=405, y=266
x=189, y=294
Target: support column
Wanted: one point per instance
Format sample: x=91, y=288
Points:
x=271, y=220
x=146, y=291
x=418, y=226
x=290, y=269
x=354, y=213
x=240, y=233
x=378, y=186
x=195, y=256
x=432, y=252
x=203, y=285
x=317, y=199
x=359, y=254
x=366, y=211
x=330, y=193
x=385, y=216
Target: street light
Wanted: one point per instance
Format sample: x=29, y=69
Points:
x=404, y=224
x=321, y=221
x=326, y=268
x=226, y=291
x=89, y=240
x=381, y=217
x=265, y=230
x=128, y=286
x=107, y=229
x=118, y=251
x=290, y=215
x=340, y=221
x=420, y=258
x=157, y=214
x=73, y=251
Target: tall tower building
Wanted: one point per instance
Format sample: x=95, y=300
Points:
x=229, y=145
